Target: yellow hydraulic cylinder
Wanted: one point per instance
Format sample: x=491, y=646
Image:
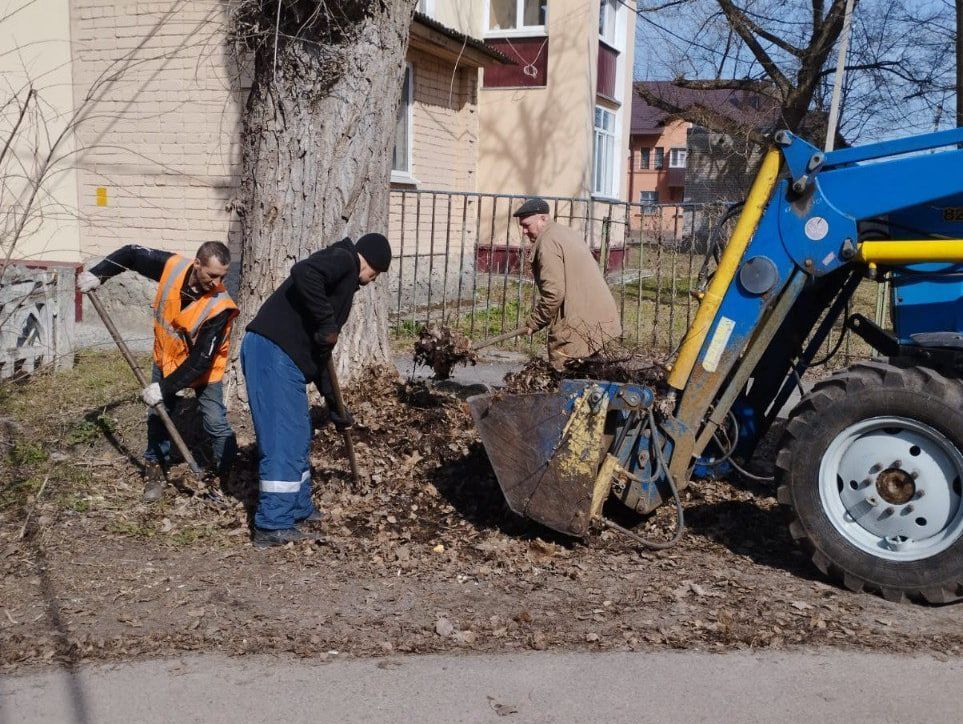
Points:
x=910, y=251
x=756, y=202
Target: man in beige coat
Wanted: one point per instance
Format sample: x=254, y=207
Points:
x=574, y=301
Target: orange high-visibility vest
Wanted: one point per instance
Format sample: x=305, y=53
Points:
x=175, y=329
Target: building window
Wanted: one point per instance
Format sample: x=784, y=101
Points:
x=516, y=16
x=608, y=18
x=649, y=199
x=401, y=155
x=677, y=158
x=603, y=151
x=659, y=159
x=644, y=158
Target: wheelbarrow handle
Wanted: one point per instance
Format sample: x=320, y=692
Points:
x=142, y=380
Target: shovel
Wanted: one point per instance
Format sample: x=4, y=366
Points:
x=142, y=380
x=339, y=402
x=499, y=338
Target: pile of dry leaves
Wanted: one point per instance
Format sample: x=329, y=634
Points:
x=422, y=556
x=612, y=366
x=441, y=348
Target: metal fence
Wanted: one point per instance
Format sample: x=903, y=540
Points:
x=462, y=262
x=36, y=320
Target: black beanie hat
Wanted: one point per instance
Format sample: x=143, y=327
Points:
x=376, y=251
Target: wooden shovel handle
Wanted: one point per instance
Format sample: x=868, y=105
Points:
x=142, y=380
x=339, y=402
x=500, y=338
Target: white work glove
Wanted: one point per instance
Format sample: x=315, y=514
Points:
x=152, y=394
x=87, y=282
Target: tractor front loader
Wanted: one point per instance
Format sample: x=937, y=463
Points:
x=870, y=464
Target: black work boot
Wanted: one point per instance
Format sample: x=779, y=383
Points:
x=154, y=482
x=315, y=518
x=267, y=538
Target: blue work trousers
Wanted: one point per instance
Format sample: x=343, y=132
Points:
x=210, y=402
x=282, y=423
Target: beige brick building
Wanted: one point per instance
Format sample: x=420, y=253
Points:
x=159, y=93
x=160, y=145
x=501, y=96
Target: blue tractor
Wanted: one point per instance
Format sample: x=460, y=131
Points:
x=870, y=463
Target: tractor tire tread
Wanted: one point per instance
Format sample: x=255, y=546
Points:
x=807, y=416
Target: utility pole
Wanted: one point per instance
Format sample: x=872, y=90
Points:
x=832, y=122
x=959, y=63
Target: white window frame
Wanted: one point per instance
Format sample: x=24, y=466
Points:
x=519, y=30
x=610, y=180
x=426, y=7
x=673, y=156
x=406, y=176
x=610, y=20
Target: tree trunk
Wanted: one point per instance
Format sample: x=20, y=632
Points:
x=316, y=153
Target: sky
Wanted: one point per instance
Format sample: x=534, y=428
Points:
x=877, y=106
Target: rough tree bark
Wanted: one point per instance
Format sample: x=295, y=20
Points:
x=317, y=135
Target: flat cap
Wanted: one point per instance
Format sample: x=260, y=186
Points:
x=531, y=206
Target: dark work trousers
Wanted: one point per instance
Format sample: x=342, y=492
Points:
x=210, y=402
x=282, y=422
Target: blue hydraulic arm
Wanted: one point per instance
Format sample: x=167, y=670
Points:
x=808, y=230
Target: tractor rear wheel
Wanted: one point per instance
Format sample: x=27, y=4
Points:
x=869, y=469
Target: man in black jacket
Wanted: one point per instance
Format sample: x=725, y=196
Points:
x=287, y=346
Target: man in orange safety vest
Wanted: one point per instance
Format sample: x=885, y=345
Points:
x=193, y=314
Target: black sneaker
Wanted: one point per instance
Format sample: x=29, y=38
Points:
x=154, y=483
x=267, y=538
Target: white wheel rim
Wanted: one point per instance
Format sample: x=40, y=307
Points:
x=862, y=508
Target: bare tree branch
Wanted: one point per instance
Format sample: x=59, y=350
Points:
x=762, y=32
x=762, y=87
x=16, y=126
x=736, y=19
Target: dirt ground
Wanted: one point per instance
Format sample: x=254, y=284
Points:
x=423, y=557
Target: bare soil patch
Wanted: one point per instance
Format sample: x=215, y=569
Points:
x=423, y=557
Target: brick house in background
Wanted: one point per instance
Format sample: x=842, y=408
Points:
x=554, y=121
x=673, y=161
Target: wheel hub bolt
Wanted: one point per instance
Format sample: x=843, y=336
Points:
x=876, y=468
x=888, y=512
x=894, y=542
x=920, y=493
x=896, y=464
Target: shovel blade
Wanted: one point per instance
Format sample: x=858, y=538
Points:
x=545, y=467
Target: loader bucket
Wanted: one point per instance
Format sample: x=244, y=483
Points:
x=546, y=449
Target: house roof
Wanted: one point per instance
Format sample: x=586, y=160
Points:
x=433, y=37
x=744, y=107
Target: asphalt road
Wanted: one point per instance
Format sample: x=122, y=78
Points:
x=829, y=686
